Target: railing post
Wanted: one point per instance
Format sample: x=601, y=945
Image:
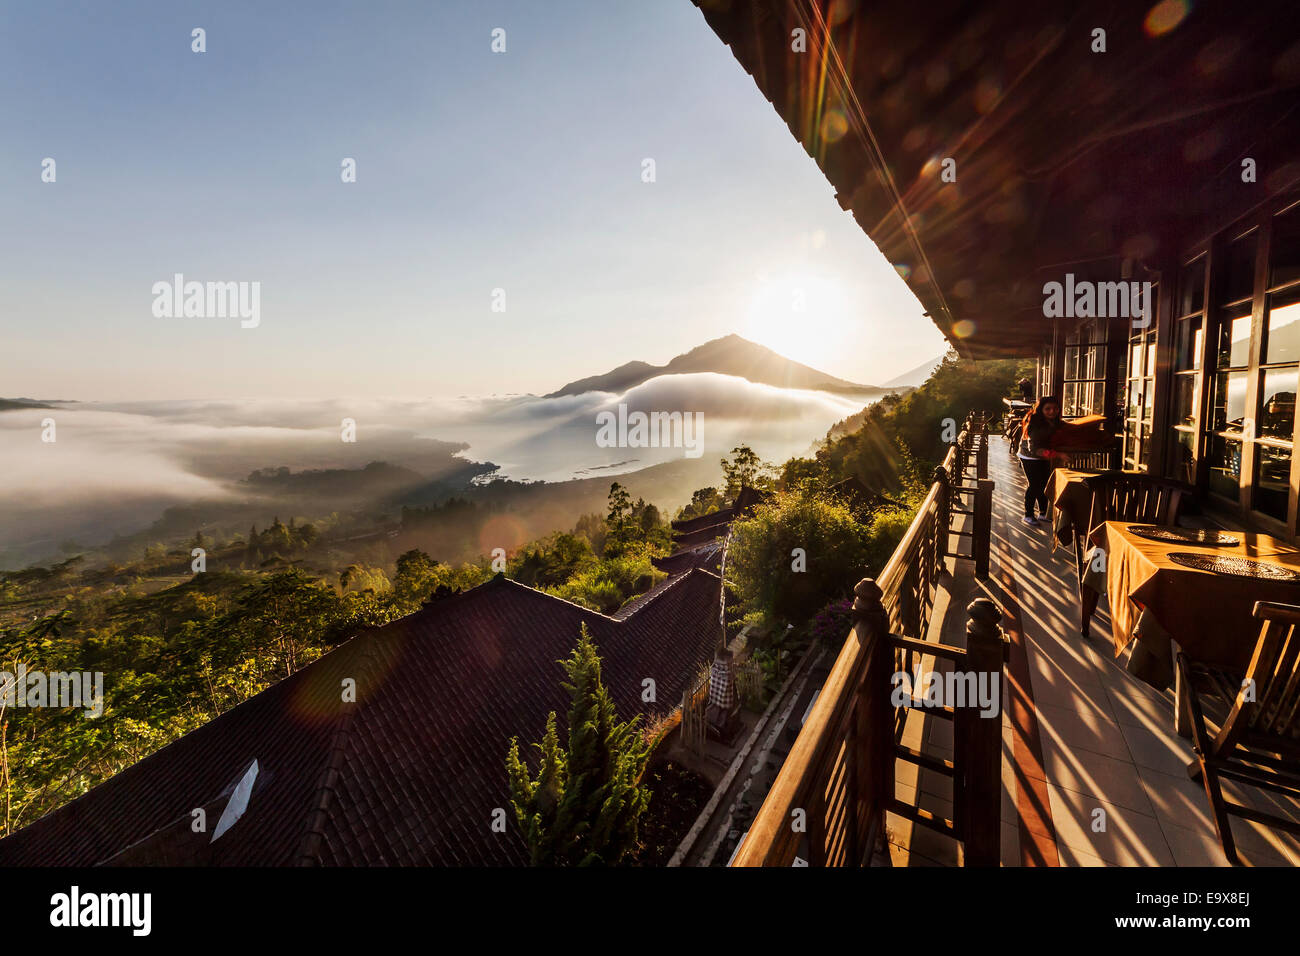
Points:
x=875, y=725
x=982, y=530
x=982, y=452
x=943, y=516
x=978, y=751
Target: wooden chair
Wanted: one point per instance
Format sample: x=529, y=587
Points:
x=1258, y=742
x=1122, y=496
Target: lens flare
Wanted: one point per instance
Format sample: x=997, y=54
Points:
x=1165, y=16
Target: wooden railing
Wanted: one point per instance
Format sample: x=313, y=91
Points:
x=827, y=805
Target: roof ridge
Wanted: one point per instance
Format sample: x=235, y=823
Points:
x=308, y=852
x=556, y=597
x=662, y=588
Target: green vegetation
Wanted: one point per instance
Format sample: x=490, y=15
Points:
x=794, y=560
x=583, y=807
x=179, y=648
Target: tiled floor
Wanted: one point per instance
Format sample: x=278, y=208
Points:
x=1112, y=767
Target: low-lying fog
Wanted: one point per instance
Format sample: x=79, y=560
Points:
x=114, y=466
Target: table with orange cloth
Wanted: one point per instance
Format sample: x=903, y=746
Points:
x=1072, y=499
x=1153, y=598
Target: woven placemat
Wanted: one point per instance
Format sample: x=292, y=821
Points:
x=1206, y=537
x=1238, y=567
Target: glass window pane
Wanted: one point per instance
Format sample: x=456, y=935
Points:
x=1285, y=250
x=1239, y=270
x=1191, y=287
x=1135, y=360
x=1277, y=403
x=1093, y=364
x=1096, y=394
x=1225, y=467
x=1272, y=480
x=1151, y=357
x=1146, y=446
x=1282, y=343
x=1070, y=400
x=1185, y=394
x=1234, y=341
x=1229, y=405
x=1130, y=444
x=1134, y=399
x=1081, y=398
x=1182, y=457
x=1187, y=344
x=1071, y=363
x=1148, y=395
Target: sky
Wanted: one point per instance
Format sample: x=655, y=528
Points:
x=475, y=171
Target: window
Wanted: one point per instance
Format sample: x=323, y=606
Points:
x=1185, y=397
x=1228, y=428
x=1139, y=389
x=1085, y=371
x=1249, y=432
x=1279, y=373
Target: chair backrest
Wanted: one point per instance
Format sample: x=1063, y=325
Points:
x=1273, y=678
x=1123, y=496
x=1091, y=459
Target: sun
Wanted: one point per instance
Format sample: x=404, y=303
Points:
x=802, y=315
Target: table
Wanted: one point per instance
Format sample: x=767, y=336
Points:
x=1154, y=599
x=1072, y=499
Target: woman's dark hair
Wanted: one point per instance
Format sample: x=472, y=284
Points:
x=1036, y=416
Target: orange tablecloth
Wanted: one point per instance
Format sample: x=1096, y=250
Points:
x=1071, y=497
x=1208, y=614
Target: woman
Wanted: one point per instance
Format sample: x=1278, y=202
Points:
x=1036, y=455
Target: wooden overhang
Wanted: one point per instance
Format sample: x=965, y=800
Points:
x=1104, y=165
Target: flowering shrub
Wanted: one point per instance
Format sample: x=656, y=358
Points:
x=832, y=623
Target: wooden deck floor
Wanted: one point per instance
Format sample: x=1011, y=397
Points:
x=1093, y=772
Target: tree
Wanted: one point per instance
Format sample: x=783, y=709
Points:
x=583, y=807
x=619, y=507
x=618, y=520
x=744, y=470
x=703, y=501
x=793, y=556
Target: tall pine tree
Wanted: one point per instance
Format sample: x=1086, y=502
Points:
x=583, y=807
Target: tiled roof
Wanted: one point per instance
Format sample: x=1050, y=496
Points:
x=411, y=773
x=708, y=556
x=721, y=517
x=695, y=539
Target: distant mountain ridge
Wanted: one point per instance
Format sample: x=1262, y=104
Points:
x=9, y=404
x=918, y=375
x=729, y=355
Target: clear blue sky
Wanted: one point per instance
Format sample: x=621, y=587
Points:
x=476, y=170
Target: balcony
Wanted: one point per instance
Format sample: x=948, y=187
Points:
x=1090, y=770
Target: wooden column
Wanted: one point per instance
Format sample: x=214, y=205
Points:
x=942, y=517
x=979, y=745
x=874, y=760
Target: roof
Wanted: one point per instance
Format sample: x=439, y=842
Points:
x=411, y=773
x=720, y=517
x=1065, y=160
x=707, y=555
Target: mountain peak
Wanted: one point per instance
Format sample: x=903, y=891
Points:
x=729, y=355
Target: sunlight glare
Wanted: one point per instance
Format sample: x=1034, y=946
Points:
x=803, y=316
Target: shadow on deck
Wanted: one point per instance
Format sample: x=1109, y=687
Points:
x=1093, y=773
